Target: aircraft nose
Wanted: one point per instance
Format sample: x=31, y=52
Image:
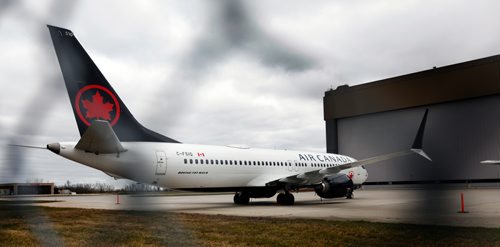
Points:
x=54, y=147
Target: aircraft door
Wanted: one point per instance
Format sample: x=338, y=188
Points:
x=161, y=163
x=291, y=164
x=295, y=165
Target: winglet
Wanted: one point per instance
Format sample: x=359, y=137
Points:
x=417, y=146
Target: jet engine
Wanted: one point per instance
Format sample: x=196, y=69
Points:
x=338, y=185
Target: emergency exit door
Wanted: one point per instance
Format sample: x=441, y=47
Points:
x=161, y=163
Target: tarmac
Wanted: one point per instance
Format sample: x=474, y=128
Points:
x=414, y=206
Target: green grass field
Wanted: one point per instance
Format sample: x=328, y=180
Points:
x=35, y=226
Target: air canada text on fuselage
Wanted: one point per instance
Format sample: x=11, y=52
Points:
x=324, y=158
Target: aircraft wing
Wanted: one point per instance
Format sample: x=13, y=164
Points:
x=491, y=162
x=314, y=177
x=100, y=138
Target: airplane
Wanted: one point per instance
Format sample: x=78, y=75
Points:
x=491, y=162
x=113, y=141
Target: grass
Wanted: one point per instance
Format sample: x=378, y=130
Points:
x=245, y=231
x=35, y=226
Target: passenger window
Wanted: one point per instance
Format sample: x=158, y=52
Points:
x=201, y=162
x=254, y=163
x=190, y=161
x=185, y=161
x=196, y=161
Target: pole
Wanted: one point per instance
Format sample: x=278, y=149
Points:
x=462, y=205
x=462, y=202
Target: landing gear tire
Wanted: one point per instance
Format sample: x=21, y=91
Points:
x=349, y=194
x=241, y=198
x=285, y=199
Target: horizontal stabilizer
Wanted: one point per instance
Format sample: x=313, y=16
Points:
x=100, y=138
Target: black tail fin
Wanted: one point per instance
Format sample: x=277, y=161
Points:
x=91, y=95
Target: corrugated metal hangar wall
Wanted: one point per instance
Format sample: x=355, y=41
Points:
x=463, y=126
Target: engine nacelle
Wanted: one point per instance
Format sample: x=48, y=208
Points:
x=334, y=186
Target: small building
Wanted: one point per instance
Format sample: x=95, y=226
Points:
x=27, y=189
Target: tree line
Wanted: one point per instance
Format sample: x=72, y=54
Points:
x=88, y=188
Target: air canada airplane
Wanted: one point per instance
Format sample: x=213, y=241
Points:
x=113, y=141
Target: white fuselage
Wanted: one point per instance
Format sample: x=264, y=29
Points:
x=188, y=166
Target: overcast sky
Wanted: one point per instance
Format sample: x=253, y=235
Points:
x=218, y=72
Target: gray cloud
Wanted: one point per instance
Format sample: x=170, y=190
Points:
x=233, y=28
x=230, y=29
x=48, y=90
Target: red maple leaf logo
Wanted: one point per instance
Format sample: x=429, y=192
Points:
x=97, y=108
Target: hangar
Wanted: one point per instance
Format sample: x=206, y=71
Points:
x=27, y=189
x=463, y=126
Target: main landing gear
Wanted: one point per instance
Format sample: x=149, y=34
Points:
x=285, y=198
x=241, y=198
x=349, y=194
